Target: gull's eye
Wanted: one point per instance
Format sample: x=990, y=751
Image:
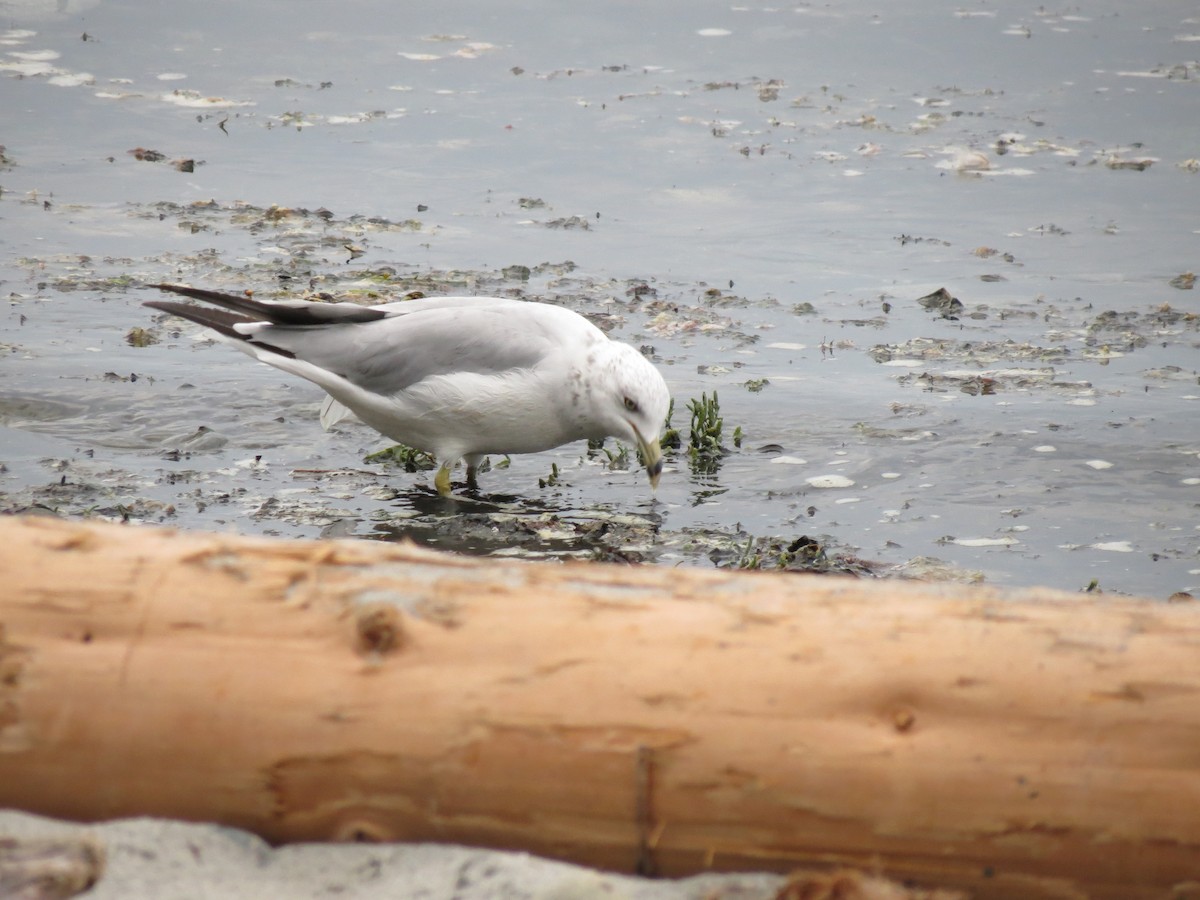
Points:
x=631, y=404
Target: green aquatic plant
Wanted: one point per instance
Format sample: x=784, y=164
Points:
x=670, y=439
x=407, y=458
x=706, y=424
x=550, y=480
x=618, y=459
x=705, y=449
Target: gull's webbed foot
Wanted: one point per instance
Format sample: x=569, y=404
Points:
x=441, y=480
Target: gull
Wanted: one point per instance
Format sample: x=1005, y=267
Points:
x=456, y=377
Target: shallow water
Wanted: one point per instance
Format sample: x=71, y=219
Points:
x=756, y=193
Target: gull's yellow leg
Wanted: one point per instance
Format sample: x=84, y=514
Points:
x=441, y=480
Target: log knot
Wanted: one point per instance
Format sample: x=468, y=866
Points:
x=378, y=630
x=903, y=719
x=362, y=830
x=13, y=660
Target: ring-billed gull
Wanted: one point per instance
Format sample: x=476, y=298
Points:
x=457, y=377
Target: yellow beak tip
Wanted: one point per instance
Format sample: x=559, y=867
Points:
x=654, y=467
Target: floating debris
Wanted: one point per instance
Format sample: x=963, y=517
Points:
x=1137, y=165
x=830, y=482
x=569, y=222
x=140, y=337
x=942, y=302
x=982, y=542
x=788, y=460
x=143, y=155
x=1113, y=546
x=196, y=100
x=965, y=160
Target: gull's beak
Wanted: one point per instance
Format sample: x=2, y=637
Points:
x=652, y=456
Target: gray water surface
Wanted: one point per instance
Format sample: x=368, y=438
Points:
x=758, y=196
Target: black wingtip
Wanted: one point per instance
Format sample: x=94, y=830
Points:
x=237, y=302
x=219, y=320
x=288, y=312
x=222, y=321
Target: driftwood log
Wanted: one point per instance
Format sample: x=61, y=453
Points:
x=1031, y=744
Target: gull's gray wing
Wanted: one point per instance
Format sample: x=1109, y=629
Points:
x=389, y=348
x=394, y=353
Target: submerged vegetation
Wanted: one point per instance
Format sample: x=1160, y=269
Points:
x=801, y=554
x=704, y=448
x=406, y=458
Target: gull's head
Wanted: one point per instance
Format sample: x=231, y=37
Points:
x=635, y=400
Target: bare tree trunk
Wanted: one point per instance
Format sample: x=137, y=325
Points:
x=1028, y=744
